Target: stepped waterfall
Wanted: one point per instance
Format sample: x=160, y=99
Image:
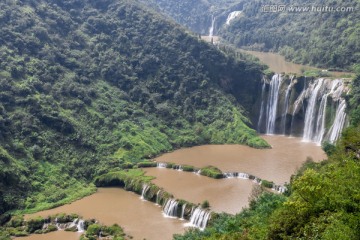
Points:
x=314, y=109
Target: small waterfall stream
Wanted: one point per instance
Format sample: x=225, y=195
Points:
x=144, y=191
x=199, y=218
x=212, y=27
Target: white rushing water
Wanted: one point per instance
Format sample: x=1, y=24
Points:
x=212, y=27
x=161, y=165
x=273, y=103
x=199, y=218
x=286, y=105
x=170, y=208
x=183, y=211
x=232, y=16
x=315, y=105
x=144, y=191
x=339, y=122
x=310, y=114
x=263, y=88
x=80, y=225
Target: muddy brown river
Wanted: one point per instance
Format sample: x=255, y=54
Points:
x=276, y=164
x=142, y=219
x=224, y=195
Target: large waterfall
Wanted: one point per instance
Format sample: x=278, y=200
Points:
x=271, y=109
x=312, y=108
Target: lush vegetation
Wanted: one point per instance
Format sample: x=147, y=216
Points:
x=323, y=39
x=89, y=86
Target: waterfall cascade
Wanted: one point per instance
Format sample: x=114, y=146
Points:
x=317, y=113
x=144, y=191
x=80, y=225
x=183, y=211
x=199, y=218
x=161, y=165
x=271, y=109
x=232, y=16
x=171, y=207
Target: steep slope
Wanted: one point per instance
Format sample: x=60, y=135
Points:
x=87, y=86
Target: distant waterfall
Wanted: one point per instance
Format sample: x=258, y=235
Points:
x=272, y=103
x=232, y=16
x=313, y=110
x=212, y=27
x=171, y=207
x=199, y=218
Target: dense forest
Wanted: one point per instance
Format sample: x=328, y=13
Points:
x=322, y=39
x=87, y=86
x=322, y=201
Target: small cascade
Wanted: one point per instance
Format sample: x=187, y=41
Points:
x=57, y=224
x=263, y=88
x=243, y=175
x=339, y=122
x=230, y=175
x=80, y=226
x=161, y=165
x=158, y=197
x=144, y=191
x=232, y=16
x=170, y=208
x=212, y=27
x=179, y=168
x=279, y=189
x=199, y=218
x=183, y=211
x=286, y=105
x=198, y=172
x=257, y=180
x=272, y=103
x=311, y=113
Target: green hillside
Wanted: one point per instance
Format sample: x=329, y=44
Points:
x=87, y=86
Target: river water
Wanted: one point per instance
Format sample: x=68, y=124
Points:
x=143, y=219
x=276, y=164
x=224, y=195
x=140, y=219
x=278, y=64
